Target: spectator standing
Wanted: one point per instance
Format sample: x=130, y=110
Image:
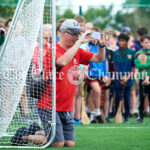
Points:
x=144, y=74
x=97, y=73
x=140, y=32
x=123, y=65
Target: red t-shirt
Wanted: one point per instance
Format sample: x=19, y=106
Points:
x=65, y=90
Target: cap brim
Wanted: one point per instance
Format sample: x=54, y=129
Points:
x=75, y=30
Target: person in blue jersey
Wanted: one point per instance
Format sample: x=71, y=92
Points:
x=97, y=73
x=124, y=66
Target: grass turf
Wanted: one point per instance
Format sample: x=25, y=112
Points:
x=111, y=137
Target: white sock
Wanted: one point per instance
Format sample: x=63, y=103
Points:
x=97, y=112
x=92, y=114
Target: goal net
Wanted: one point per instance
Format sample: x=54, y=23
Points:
x=28, y=120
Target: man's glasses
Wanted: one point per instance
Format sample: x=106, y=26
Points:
x=73, y=35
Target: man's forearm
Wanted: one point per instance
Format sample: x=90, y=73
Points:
x=101, y=51
x=100, y=56
x=70, y=53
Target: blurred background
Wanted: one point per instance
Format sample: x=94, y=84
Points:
x=102, y=13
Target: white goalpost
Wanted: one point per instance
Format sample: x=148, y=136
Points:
x=28, y=120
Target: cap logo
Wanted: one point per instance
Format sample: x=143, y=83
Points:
x=76, y=24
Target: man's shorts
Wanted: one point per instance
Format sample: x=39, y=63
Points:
x=64, y=125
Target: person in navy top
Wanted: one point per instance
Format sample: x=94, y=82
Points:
x=123, y=65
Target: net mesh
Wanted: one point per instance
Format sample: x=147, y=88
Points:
x=21, y=61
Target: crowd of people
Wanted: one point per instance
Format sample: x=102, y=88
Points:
x=113, y=64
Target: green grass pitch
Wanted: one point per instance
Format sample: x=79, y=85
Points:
x=111, y=137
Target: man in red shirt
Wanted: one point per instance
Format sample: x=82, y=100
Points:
x=68, y=55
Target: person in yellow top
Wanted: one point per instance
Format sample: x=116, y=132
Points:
x=142, y=62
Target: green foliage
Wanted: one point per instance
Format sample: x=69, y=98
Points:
x=9, y=2
x=137, y=2
x=100, y=17
x=6, y=11
x=123, y=19
x=67, y=14
x=132, y=2
x=144, y=2
x=134, y=17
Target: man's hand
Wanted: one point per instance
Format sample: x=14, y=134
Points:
x=102, y=40
x=85, y=37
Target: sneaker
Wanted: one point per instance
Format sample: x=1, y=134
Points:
x=146, y=114
x=140, y=121
x=27, y=120
x=33, y=128
x=127, y=121
x=99, y=119
x=134, y=115
x=108, y=121
x=93, y=121
x=77, y=121
x=111, y=115
x=17, y=139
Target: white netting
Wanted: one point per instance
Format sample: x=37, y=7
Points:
x=17, y=108
x=16, y=60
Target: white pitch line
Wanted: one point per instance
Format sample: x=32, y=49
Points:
x=115, y=127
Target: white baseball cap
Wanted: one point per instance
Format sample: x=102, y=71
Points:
x=71, y=25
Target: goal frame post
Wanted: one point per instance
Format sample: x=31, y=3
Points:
x=53, y=123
